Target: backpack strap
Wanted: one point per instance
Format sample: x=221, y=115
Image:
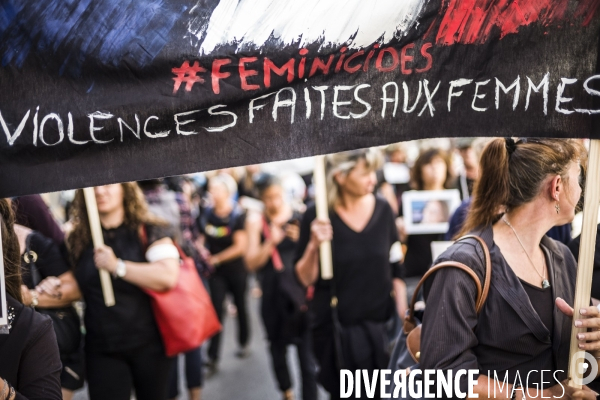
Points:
x=482, y=293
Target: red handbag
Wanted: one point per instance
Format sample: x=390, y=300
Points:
x=185, y=314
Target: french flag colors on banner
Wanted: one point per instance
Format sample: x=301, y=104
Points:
x=101, y=91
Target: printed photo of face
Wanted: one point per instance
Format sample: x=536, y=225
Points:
x=435, y=212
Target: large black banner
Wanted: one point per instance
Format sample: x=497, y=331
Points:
x=99, y=91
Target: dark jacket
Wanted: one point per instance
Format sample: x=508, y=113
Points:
x=508, y=334
x=29, y=358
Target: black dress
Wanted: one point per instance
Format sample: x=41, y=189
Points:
x=123, y=344
x=29, y=356
x=363, y=285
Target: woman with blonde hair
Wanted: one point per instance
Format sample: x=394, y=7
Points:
x=366, y=253
x=123, y=347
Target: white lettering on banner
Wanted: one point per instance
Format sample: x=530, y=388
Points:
x=11, y=138
x=455, y=84
x=545, y=83
x=559, y=95
x=307, y=102
x=322, y=90
x=61, y=129
x=179, y=123
x=479, y=96
x=405, y=106
x=154, y=135
x=93, y=116
x=386, y=99
x=136, y=133
x=516, y=85
x=285, y=103
x=429, y=97
x=71, y=133
x=346, y=103
x=592, y=92
x=252, y=107
x=336, y=103
x=211, y=111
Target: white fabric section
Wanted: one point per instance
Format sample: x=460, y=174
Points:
x=162, y=252
x=251, y=23
x=396, y=253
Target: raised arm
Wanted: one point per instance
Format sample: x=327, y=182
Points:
x=307, y=267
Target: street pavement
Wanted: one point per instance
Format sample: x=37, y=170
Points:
x=250, y=378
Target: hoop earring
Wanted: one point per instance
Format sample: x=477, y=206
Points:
x=557, y=207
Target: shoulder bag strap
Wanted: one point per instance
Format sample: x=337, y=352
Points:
x=482, y=293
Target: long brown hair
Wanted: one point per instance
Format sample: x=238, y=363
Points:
x=136, y=214
x=512, y=174
x=11, y=250
x=416, y=173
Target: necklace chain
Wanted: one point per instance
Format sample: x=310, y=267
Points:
x=544, y=281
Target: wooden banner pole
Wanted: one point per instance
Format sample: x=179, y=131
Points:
x=583, y=286
x=323, y=214
x=96, y=228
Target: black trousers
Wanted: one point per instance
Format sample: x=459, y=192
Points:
x=308, y=366
x=236, y=283
x=364, y=347
x=193, y=372
x=114, y=375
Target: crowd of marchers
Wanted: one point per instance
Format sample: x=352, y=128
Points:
x=253, y=231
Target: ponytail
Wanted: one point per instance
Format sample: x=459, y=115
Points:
x=492, y=190
x=512, y=174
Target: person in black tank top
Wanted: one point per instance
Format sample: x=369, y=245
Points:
x=365, y=254
x=272, y=246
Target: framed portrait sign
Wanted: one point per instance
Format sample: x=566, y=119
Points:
x=429, y=211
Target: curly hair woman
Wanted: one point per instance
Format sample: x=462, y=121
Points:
x=123, y=346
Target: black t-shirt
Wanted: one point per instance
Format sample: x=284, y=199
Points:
x=50, y=261
x=219, y=235
x=362, y=269
x=543, y=304
x=130, y=322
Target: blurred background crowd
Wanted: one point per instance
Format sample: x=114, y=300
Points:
x=247, y=231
